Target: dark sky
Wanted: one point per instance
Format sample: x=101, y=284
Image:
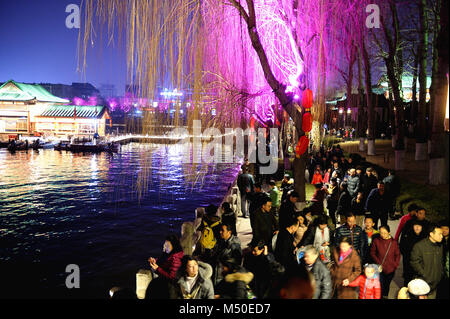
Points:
x=36, y=46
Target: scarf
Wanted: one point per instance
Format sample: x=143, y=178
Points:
x=342, y=255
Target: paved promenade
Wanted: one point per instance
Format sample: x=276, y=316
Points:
x=245, y=235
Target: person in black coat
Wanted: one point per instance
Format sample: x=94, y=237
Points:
x=284, y=248
x=345, y=201
x=256, y=198
x=234, y=282
x=229, y=217
x=287, y=209
x=332, y=199
x=379, y=204
x=407, y=242
x=264, y=267
x=265, y=223
x=368, y=182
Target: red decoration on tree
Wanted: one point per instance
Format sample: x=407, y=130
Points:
x=302, y=146
x=307, y=99
x=307, y=122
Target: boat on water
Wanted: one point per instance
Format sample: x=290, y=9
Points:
x=38, y=144
x=61, y=146
x=94, y=148
x=14, y=146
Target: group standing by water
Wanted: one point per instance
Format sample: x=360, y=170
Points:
x=344, y=252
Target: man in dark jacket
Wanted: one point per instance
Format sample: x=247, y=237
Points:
x=284, y=248
x=426, y=259
x=338, y=170
x=265, y=224
x=245, y=183
x=323, y=286
x=368, y=182
x=354, y=233
x=228, y=247
x=421, y=215
x=264, y=267
x=406, y=245
x=256, y=198
x=345, y=201
x=353, y=183
x=378, y=204
x=287, y=209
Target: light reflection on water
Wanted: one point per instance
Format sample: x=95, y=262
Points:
x=97, y=211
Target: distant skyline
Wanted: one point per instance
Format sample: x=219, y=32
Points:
x=37, y=47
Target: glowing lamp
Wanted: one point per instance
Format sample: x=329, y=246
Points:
x=307, y=99
x=341, y=111
x=307, y=122
x=302, y=146
x=349, y=111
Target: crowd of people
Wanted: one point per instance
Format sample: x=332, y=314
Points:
x=345, y=251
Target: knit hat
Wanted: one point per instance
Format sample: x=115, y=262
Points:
x=418, y=287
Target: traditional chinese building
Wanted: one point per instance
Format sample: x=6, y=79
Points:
x=29, y=109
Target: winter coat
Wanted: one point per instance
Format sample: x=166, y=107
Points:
x=274, y=197
x=377, y=204
x=426, y=261
x=284, y=249
x=286, y=211
x=356, y=236
x=265, y=269
x=169, y=267
x=332, y=197
x=353, y=185
x=407, y=242
x=358, y=208
x=349, y=268
x=202, y=289
x=245, y=183
x=308, y=237
x=322, y=277
x=392, y=185
x=317, y=201
x=344, y=204
x=368, y=244
x=409, y=226
x=402, y=223
x=378, y=251
x=317, y=179
x=368, y=288
x=234, y=285
x=367, y=183
x=226, y=249
x=265, y=225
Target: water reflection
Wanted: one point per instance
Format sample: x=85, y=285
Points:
x=106, y=213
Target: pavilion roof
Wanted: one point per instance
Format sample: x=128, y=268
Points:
x=82, y=111
x=27, y=92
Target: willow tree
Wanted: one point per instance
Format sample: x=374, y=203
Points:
x=238, y=58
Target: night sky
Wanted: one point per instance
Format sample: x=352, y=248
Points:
x=36, y=46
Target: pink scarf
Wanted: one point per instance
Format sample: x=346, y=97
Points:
x=342, y=255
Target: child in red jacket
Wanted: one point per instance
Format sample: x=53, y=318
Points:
x=369, y=283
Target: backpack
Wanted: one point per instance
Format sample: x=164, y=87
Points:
x=208, y=240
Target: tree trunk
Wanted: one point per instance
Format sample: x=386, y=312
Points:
x=413, y=112
x=421, y=137
x=438, y=165
x=370, y=110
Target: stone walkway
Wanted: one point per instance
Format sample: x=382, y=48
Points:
x=245, y=235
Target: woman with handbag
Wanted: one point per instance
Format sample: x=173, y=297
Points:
x=386, y=253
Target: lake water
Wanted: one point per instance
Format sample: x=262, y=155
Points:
x=105, y=213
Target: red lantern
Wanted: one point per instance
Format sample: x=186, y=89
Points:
x=307, y=99
x=302, y=146
x=307, y=122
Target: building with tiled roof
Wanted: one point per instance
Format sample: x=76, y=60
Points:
x=30, y=109
x=72, y=120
